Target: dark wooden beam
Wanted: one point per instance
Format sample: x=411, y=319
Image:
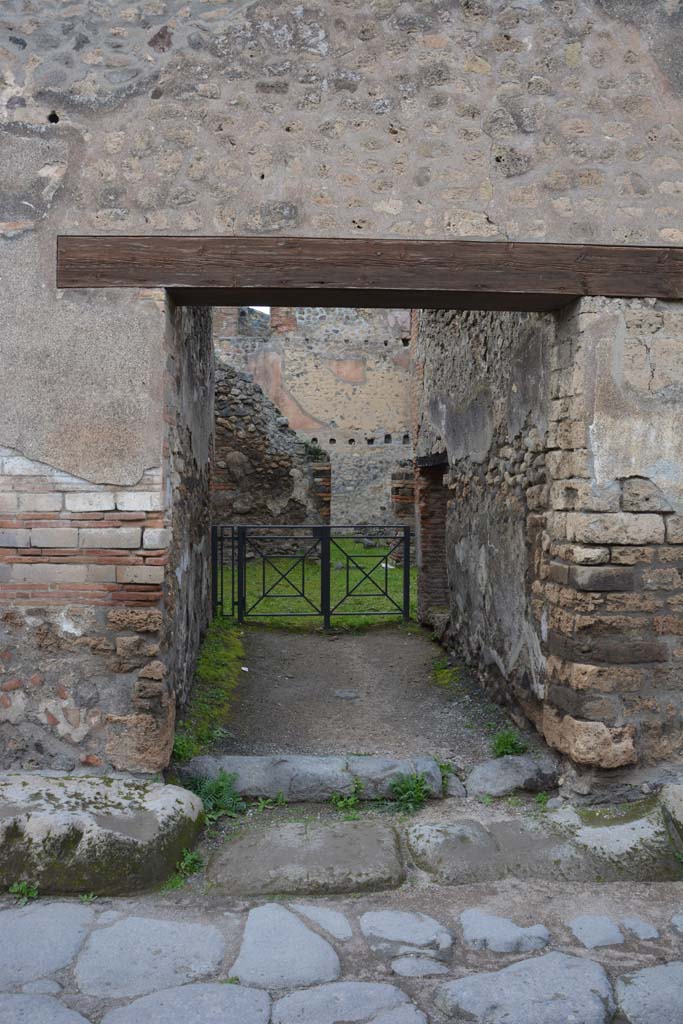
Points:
x=350, y=271
x=385, y=298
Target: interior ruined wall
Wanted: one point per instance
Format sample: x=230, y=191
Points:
x=564, y=448
x=533, y=121
x=190, y=414
x=260, y=470
x=342, y=379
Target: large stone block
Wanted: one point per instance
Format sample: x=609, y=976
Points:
x=295, y=858
x=615, y=528
x=115, y=537
x=589, y=743
x=79, y=833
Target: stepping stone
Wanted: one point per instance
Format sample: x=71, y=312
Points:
x=595, y=930
x=677, y=923
x=486, y=931
x=348, y=1002
x=301, y=777
x=139, y=954
x=40, y=939
x=641, y=929
x=73, y=833
x=671, y=802
x=417, y=967
x=503, y=775
x=331, y=921
x=388, y=929
x=36, y=1009
x=653, y=995
x=309, y=859
x=279, y=951
x=550, y=989
x=455, y=853
x=196, y=1004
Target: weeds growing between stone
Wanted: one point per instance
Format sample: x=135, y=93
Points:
x=218, y=672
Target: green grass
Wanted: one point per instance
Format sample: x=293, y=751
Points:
x=280, y=608
x=217, y=675
x=445, y=675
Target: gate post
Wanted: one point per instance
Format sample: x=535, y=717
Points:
x=406, y=573
x=214, y=570
x=325, y=579
x=241, y=573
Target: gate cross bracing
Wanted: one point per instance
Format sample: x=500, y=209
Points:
x=262, y=572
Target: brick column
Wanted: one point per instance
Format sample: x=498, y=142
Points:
x=431, y=499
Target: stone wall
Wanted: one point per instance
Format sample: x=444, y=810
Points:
x=563, y=451
x=260, y=469
x=105, y=587
x=342, y=379
x=526, y=121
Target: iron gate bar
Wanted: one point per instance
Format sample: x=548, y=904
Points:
x=300, y=559
x=246, y=538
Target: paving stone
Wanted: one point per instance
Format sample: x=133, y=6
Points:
x=550, y=989
x=641, y=929
x=417, y=967
x=43, y=987
x=36, y=1009
x=596, y=930
x=279, y=951
x=300, y=777
x=196, y=1004
x=653, y=995
x=355, y=1002
x=677, y=923
x=312, y=859
x=388, y=929
x=671, y=802
x=331, y=921
x=76, y=833
x=486, y=931
x=40, y=939
x=463, y=851
x=503, y=775
x=139, y=954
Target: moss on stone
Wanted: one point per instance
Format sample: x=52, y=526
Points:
x=216, y=678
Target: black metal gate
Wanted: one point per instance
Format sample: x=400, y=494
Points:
x=272, y=572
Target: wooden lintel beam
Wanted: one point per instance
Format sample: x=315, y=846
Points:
x=498, y=275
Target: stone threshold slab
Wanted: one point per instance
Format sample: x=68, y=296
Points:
x=302, y=777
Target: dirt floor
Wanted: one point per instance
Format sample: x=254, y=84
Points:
x=366, y=693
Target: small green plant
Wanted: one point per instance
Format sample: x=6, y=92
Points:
x=230, y=981
x=190, y=863
x=280, y=799
x=185, y=747
x=264, y=803
x=87, y=897
x=486, y=799
x=514, y=801
x=678, y=856
x=23, y=892
x=446, y=769
x=445, y=675
x=349, y=803
x=507, y=741
x=542, y=800
x=176, y=881
x=219, y=796
x=314, y=453
x=410, y=792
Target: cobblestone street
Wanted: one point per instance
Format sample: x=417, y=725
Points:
x=518, y=953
